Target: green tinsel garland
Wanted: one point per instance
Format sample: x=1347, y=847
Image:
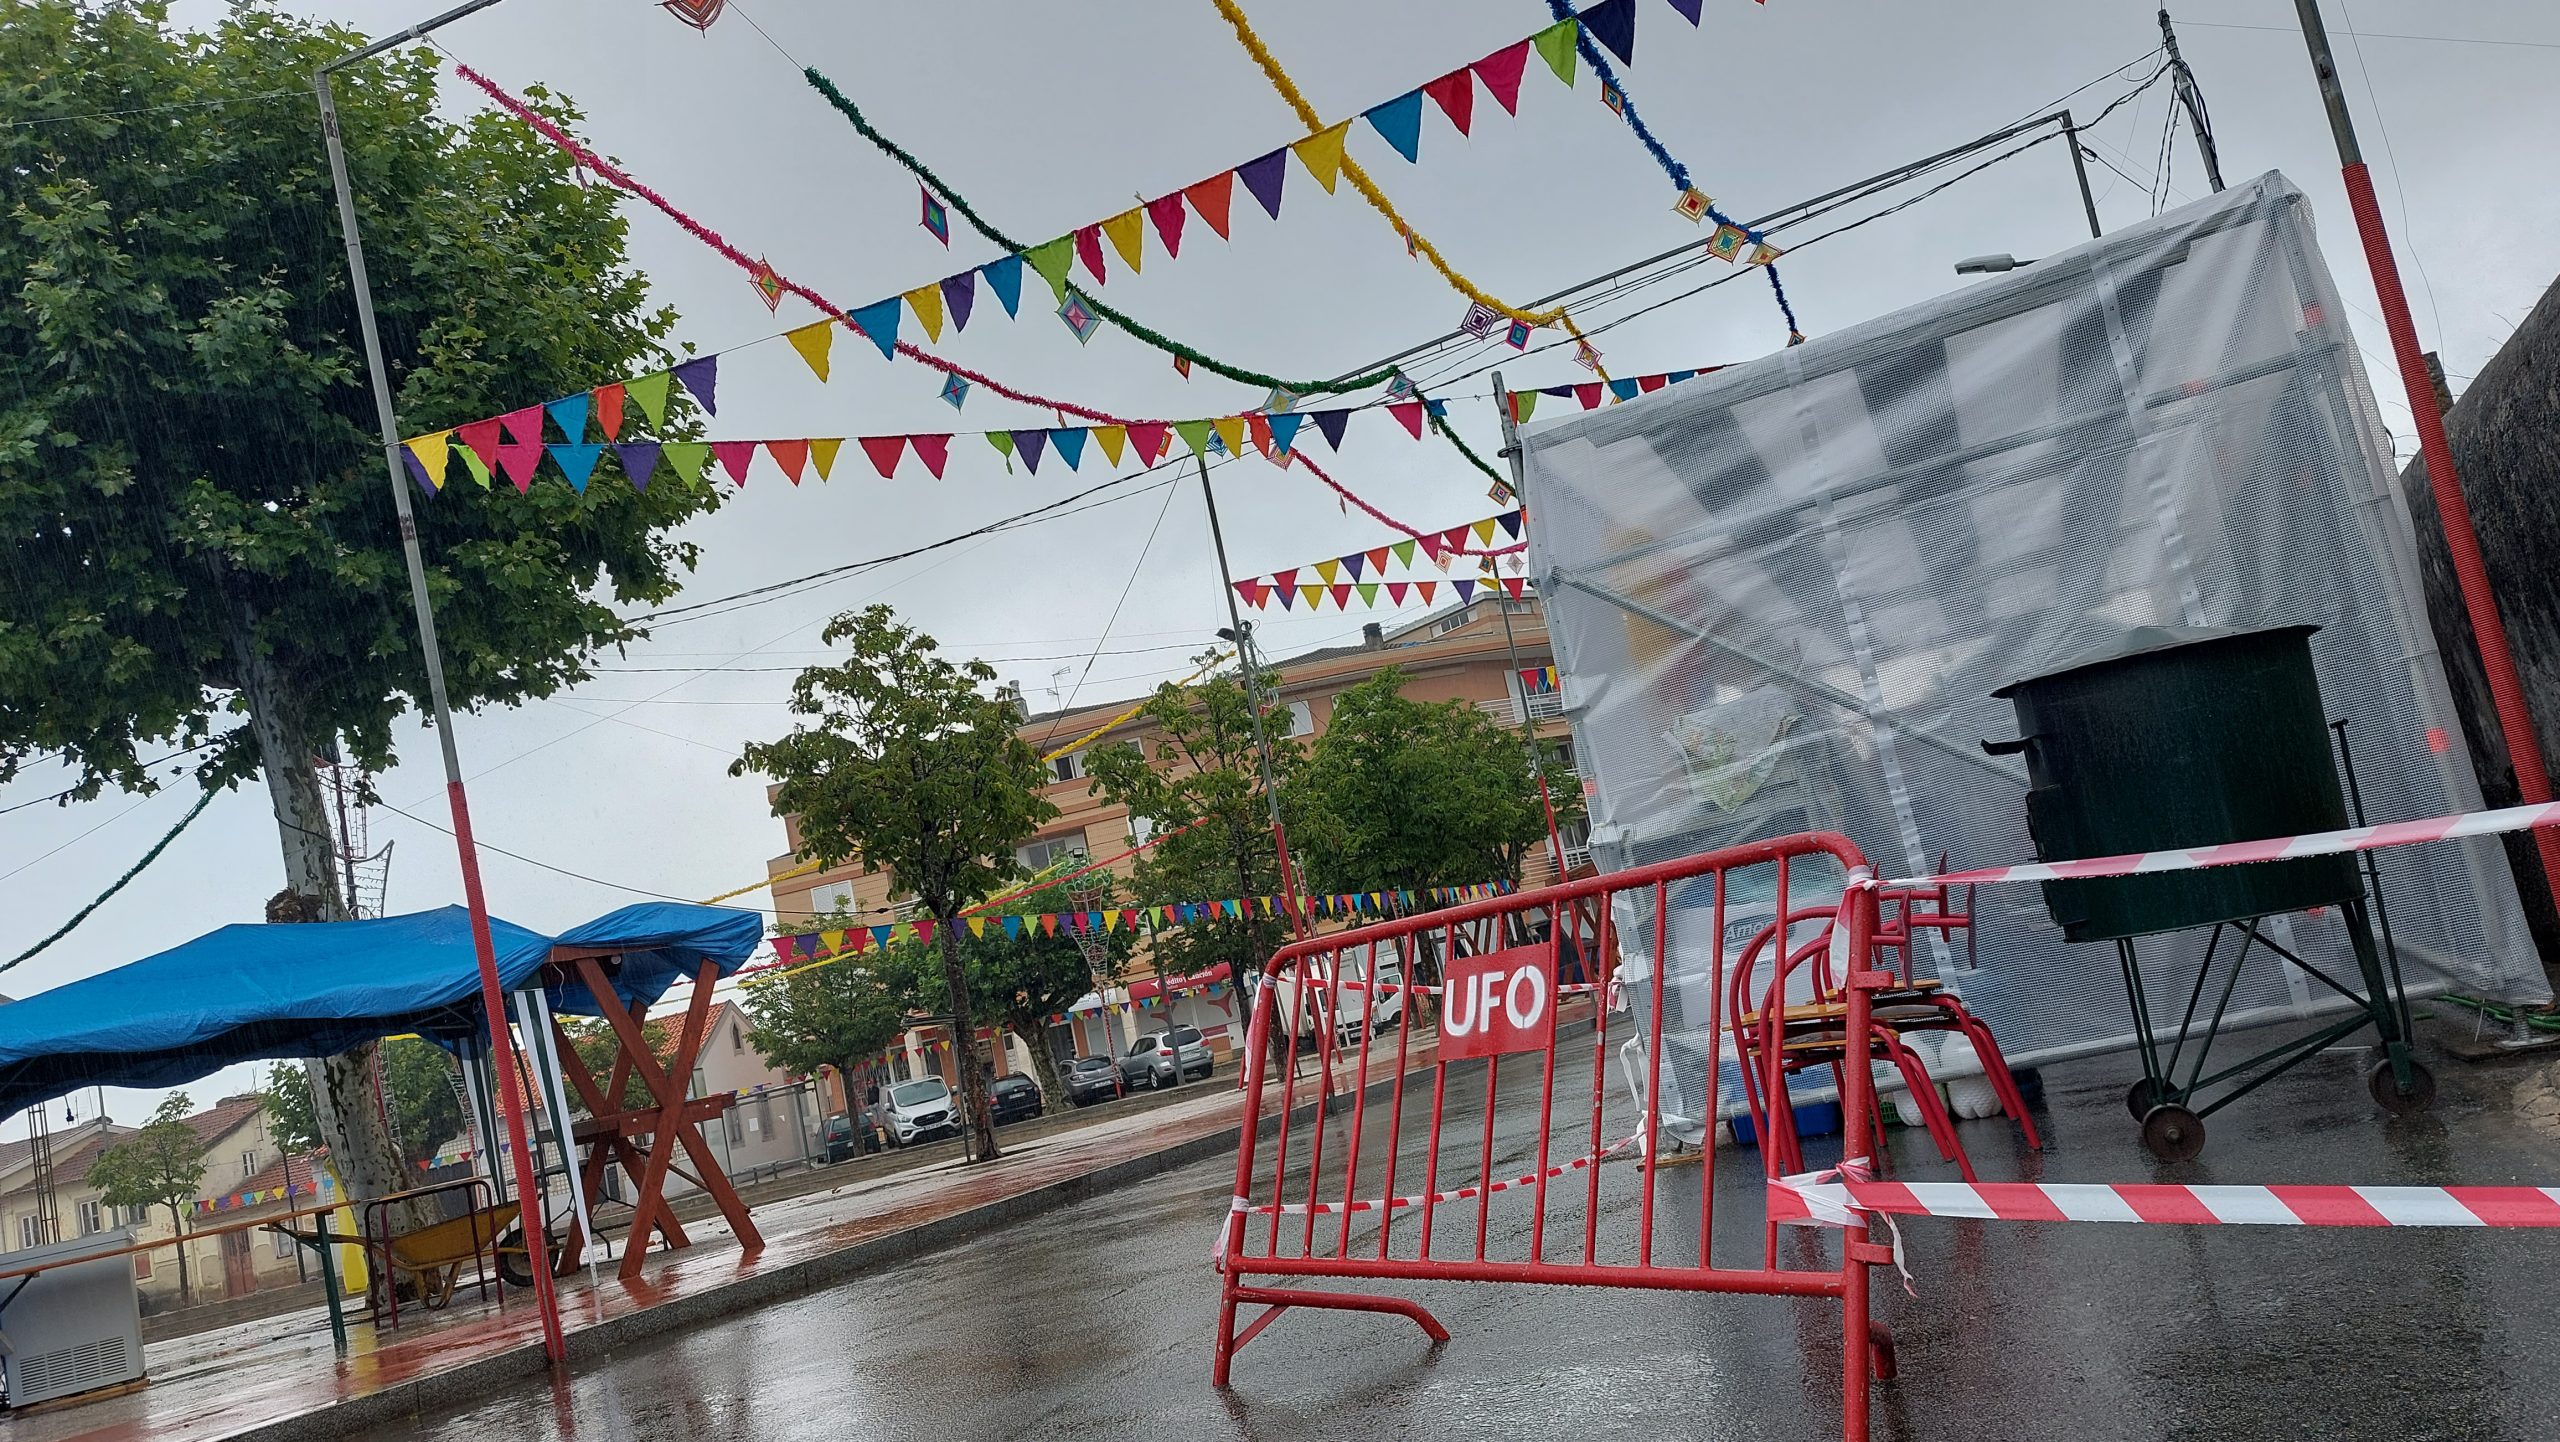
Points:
x=148, y=857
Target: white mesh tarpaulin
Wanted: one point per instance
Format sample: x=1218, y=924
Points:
x=1781, y=595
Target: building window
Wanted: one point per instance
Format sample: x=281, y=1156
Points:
x=1302, y=719
x=737, y=1039
x=1142, y=830
x=93, y=1217
x=737, y=1128
x=30, y=1232
x=828, y=899
x=143, y=1262
x=248, y=1165
x=1048, y=851
x=1069, y=767
x=284, y=1245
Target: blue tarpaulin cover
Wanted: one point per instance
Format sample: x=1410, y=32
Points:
x=249, y=993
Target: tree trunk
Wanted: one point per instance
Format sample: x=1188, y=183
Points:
x=2505, y=436
x=964, y=1043
x=1034, y=1035
x=178, y=1229
x=344, y=1101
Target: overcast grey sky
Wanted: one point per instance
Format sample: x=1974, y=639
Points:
x=1051, y=116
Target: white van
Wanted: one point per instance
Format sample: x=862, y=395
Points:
x=1360, y=1003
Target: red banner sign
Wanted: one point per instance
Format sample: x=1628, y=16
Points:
x=1502, y=1001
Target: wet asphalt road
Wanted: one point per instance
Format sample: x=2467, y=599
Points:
x=1094, y=1322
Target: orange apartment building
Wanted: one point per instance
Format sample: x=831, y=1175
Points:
x=1456, y=654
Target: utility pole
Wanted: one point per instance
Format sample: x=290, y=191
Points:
x=492, y=998
x=2182, y=79
x=1253, y=707
x=2479, y=602
x=2080, y=173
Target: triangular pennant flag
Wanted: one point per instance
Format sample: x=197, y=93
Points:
x=518, y=460
x=1004, y=277
x=1510, y=523
x=1230, y=431
x=1613, y=23
x=884, y=452
x=432, y=453
x=1395, y=592
x=959, y=292
x=977, y=926
x=577, y=462
x=1342, y=598
x=926, y=302
x=1455, y=94
x=417, y=472
x=880, y=935
x=1400, y=121
x=1523, y=404
x=1353, y=563
x=1003, y=442
x=1431, y=546
x=1088, y=244
x=1328, y=570
x=791, y=455
x=1368, y=593
x=570, y=414
x=639, y=459
x=1466, y=589
x=879, y=321
x=1514, y=585
x=1483, y=531
x=1028, y=445
x=1500, y=73
x=1127, y=234
x=1556, y=44
x=814, y=341
x=1285, y=580
x=1067, y=443
x=1330, y=423
x=1404, y=552
x=924, y=932
x=1313, y=595
x=651, y=392
x=1195, y=434
x=608, y=399
x=1149, y=438
x=823, y=450
x=1114, y=440
x=1209, y=198
x=1624, y=390
x=1288, y=597
x=1264, y=177
x=1049, y=922
x=1252, y=592
x=1454, y=538
x=1258, y=426
x=1426, y=588
x=1051, y=262
x=1588, y=394
x=1012, y=925
x=1167, y=213
x=524, y=427
x=1689, y=9
x=833, y=939
x=932, y=450
x=1409, y=415
x=1110, y=921
x=1321, y=154
x=1284, y=430
x=734, y=457
x=700, y=377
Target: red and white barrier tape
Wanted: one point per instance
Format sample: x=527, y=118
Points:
x=1821, y=1199
x=1334, y=1209
x=2278, y=848
x=1570, y=988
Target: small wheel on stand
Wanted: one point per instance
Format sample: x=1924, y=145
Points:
x=2141, y=1097
x=2388, y=1095
x=2172, y=1133
x=515, y=1262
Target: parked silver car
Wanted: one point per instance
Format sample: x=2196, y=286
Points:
x=1150, y=1060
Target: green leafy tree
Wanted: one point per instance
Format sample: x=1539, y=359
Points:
x=839, y=1015
x=1024, y=973
x=1410, y=794
x=906, y=761
x=160, y=1165
x=1205, y=783
x=202, y=551
x=417, y=1084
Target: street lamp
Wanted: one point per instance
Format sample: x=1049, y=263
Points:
x=1990, y=264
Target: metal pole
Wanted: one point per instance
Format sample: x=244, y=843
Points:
x=492, y=999
x=2191, y=95
x=2080, y=172
x=1253, y=706
x=1528, y=730
x=2453, y=512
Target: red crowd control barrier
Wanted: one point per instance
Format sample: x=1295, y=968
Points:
x=1505, y=1139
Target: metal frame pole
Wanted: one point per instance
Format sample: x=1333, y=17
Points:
x=1528, y=728
x=492, y=999
x=2080, y=172
x=1253, y=706
x=2453, y=512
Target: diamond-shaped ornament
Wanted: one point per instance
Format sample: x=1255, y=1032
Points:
x=768, y=285
x=697, y=13
x=1693, y=205
x=956, y=391
x=935, y=218
x=1080, y=320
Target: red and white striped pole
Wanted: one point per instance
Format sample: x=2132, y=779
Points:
x=2453, y=513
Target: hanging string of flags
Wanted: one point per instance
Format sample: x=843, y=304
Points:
x=516, y=445
x=1589, y=394
x=853, y=940
x=1367, y=570
x=1397, y=593
x=1538, y=680
x=263, y=1195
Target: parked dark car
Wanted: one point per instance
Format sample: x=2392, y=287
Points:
x=845, y=1138
x=1091, y=1079
x=1012, y=1098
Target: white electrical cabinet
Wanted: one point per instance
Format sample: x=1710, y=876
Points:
x=75, y=1327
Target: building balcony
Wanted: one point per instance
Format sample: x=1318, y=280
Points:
x=1546, y=706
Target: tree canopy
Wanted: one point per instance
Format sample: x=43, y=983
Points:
x=1409, y=794
x=160, y=1165
x=417, y=1084
x=1205, y=783
x=905, y=760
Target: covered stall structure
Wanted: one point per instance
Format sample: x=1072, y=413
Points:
x=291, y=991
